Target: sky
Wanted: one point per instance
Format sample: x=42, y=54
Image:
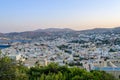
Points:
x=28, y=15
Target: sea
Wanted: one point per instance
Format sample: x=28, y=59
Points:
x=108, y=68
x=3, y=46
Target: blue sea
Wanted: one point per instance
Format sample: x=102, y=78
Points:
x=4, y=46
x=107, y=68
x=12, y=41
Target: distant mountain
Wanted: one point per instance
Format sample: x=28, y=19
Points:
x=96, y=30
x=54, y=30
x=27, y=34
x=102, y=30
x=1, y=34
x=116, y=30
x=38, y=30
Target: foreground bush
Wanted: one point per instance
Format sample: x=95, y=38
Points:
x=55, y=72
x=11, y=70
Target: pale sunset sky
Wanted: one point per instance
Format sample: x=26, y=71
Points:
x=28, y=15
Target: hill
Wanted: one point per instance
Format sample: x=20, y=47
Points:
x=56, y=32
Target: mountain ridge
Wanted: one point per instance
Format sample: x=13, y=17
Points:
x=65, y=29
x=54, y=29
x=54, y=32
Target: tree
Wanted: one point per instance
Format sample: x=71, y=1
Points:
x=76, y=78
x=11, y=70
x=7, y=69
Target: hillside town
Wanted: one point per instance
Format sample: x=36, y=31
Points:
x=87, y=51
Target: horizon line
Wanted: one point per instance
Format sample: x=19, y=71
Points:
x=60, y=28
